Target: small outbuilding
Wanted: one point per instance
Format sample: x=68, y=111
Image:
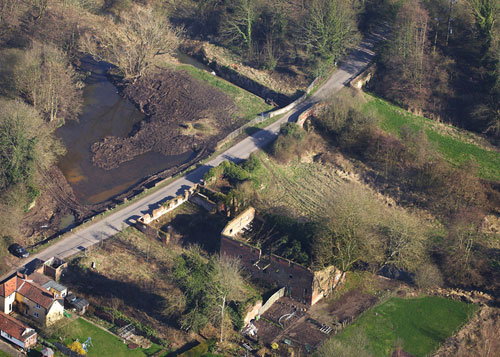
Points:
x=47, y=352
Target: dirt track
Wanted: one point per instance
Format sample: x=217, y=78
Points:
x=174, y=102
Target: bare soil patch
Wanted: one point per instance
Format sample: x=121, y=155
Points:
x=174, y=101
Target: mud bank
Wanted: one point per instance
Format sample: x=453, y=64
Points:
x=183, y=114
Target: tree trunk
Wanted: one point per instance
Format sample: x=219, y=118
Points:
x=222, y=318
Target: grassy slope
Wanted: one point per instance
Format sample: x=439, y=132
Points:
x=249, y=104
x=303, y=188
x=455, y=145
x=421, y=324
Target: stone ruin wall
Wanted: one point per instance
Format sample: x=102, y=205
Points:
x=301, y=283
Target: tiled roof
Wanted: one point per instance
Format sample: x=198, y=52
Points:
x=14, y=328
x=38, y=278
x=36, y=293
x=9, y=286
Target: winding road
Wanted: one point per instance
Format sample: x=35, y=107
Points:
x=75, y=242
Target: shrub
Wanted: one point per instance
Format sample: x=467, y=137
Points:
x=428, y=276
x=252, y=163
x=233, y=172
x=77, y=347
x=288, y=143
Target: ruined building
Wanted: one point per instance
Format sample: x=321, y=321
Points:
x=301, y=282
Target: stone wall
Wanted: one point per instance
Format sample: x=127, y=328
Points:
x=364, y=77
x=314, y=110
x=265, y=116
x=300, y=282
x=203, y=201
x=259, y=309
x=239, y=222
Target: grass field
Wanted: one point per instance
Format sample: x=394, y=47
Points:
x=455, y=145
x=105, y=344
x=303, y=188
x=420, y=324
x=249, y=104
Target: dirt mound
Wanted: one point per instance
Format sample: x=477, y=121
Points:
x=173, y=101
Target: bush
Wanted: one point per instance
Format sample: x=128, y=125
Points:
x=288, y=143
x=234, y=173
x=252, y=163
x=428, y=276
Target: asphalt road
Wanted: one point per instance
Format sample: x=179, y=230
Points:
x=78, y=241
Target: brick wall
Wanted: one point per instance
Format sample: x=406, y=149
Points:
x=297, y=279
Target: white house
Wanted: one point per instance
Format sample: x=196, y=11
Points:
x=17, y=332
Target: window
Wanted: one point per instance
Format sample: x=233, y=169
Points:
x=10, y=308
x=38, y=306
x=35, y=314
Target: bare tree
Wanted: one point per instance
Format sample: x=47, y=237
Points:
x=48, y=82
x=227, y=285
x=329, y=28
x=404, y=243
x=238, y=25
x=132, y=46
x=350, y=232
x=407, y=61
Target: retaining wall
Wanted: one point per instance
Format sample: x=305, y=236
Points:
x=264, y=116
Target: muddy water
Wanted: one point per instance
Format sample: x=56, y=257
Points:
x=105, y=113
x=185, y=59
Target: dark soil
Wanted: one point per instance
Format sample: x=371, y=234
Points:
x=351, y=305
x=56, y=201
x=171, y=100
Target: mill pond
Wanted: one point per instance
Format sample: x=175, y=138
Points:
x=105, y=113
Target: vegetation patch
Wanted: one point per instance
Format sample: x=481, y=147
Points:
x=456, y=146
x=417, y=325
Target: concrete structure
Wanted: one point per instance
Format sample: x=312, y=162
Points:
x=17, y=332
x=30, y=299
x=54, y=268
x=300, y=282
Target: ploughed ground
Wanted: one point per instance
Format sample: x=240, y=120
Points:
x=183, y=114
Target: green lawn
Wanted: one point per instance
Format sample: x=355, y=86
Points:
x=419, y=324
x=4, y=354
x=454, y=144
x=105, y=344
x=249, y=104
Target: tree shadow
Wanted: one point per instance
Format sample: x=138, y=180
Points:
x=202, y=229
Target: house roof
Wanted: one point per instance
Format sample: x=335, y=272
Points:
x=36, y=293
x=38, y=278
x=15, y=328
x=10, y=285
